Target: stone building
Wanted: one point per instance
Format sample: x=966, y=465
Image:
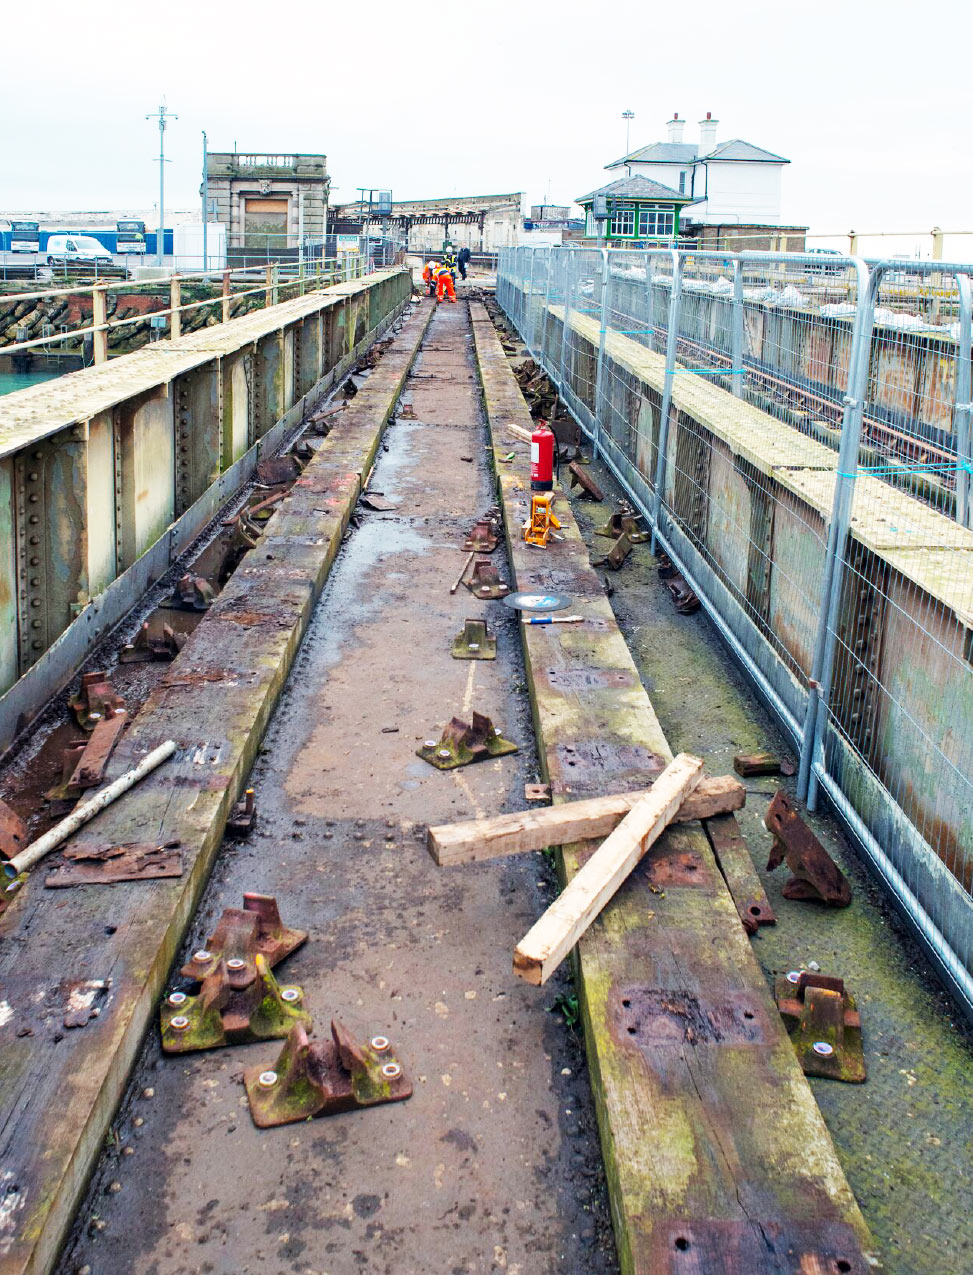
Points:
x=269, y=200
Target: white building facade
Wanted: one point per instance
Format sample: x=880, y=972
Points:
x=728, y=182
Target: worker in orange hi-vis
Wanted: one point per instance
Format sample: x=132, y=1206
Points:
x=445, y=284
x=429, y=276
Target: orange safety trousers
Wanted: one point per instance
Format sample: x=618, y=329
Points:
x=445, y=286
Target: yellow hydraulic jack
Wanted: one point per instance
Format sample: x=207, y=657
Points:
x=537, y=528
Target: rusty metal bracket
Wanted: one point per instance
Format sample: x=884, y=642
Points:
x=100, y=864
x=684, y=598
x=579, y=478
x=96, y=700
x=148, y=647
x=62, y=791
x=624, y=520
x=13, y=832
x=475, y=642
x=276, y=471
x=748, y=764
x=485, y=580
x=243, y=816
x=91, y=765
x=617, y=554
x=537, y=792
x=816, y=876
x=824, y=1023
x=483, y=536
x=463, y=743
x=193, y=593
x=325, y=1078
x=240, y=1002
x=272, y=938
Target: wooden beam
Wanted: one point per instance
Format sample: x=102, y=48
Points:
x=591, y=819
x=544, y=947
x=738, y=871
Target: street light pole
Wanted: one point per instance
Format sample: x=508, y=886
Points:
x=205, y=203
x=627, y=116
x=163, y=115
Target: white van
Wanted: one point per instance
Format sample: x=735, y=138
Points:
x=78, y=250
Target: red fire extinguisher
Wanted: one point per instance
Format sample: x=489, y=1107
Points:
x=542, y=459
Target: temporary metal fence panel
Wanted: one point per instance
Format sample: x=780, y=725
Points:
x=797, y=432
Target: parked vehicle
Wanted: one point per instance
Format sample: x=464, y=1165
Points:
x=77, y=250
x=826, y=264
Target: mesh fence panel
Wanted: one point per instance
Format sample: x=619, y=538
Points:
x=797, y=433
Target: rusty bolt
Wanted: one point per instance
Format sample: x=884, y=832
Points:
x=177, y=998
x=823, y=1048
x=267, y=1079
x=179, y=1023
x=391, y=1071
x=380, y=1044
x=290, y=994
x=202, y=955
x=236, y=963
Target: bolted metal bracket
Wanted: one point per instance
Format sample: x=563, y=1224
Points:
x=824, y=1024
x=579, y=478
x=193, y=593
x=817, y=878
x=271, y=937
x=243, y=816
x=483, y=536
x=617, y=554
x=148, y=647
x=463, y=743
x=485, y=580
x=626, y=520
x=686, y=601
x=325, y=1078
x=96, y=700
x=474, y=642
x=240, y=1002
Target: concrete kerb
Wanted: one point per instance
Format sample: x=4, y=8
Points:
x=57, y=1107
x=681, y=1150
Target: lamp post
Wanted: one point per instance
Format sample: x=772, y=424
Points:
x=627, y=116
x=163, y=115
x=205, y=194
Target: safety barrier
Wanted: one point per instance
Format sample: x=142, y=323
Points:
x=797, y=433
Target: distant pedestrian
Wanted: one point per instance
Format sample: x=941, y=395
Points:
x=462, y=260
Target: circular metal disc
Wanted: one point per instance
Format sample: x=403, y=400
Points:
x=538, y=601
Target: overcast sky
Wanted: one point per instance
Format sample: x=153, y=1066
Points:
x=870, y=102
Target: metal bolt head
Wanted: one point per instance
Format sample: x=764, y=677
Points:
x=267, y=1079
x=179, y=1023
x=290, y=994
x=794, y=976
x=202, y=955
x=380, y=1044
x=822, y=1048
x=444, y=753
x=236, y=963
x=391, y=1071
x=429, y=743
x=474, y=646
x=177, y=998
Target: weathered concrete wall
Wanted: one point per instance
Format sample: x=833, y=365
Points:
x=98, y=466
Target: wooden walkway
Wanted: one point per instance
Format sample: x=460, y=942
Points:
x=717, y=1157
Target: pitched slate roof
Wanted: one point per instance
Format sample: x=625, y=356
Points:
x=686, y=153
x=637, y=187
x=659, y=153
x=736, y=148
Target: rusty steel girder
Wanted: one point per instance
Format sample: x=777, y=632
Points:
x=324, y=1078
x=824, y=1024
x=817, y=878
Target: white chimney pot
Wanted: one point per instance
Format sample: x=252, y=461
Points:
x=707, y=135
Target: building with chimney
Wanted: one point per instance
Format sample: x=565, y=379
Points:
x=731, y=182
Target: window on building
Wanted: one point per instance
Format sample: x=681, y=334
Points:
x=623, y=221
x=682, y=182
x=656, y=222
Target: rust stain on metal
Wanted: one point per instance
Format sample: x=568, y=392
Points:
x=102, y=864
x=652, y=1017
x=824, y=1024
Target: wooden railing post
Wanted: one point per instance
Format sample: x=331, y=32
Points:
x=175, y=301
x=226, y=296
x=99, y=317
